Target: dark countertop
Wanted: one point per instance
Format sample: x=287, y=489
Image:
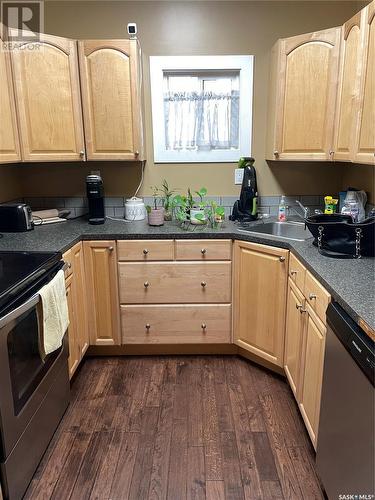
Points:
x=350, y=282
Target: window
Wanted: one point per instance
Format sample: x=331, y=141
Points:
x=201, y=108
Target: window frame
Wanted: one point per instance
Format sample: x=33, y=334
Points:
x=242, y=64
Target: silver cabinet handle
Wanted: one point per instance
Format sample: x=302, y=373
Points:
x=69, y=265
x=312, y=296
x=281, y=259
x=203, y=284
x=293, y=272
x=82, y=154
x=299, y=306
x=136, y=153
x=203, y=251
x=148, y=326
x=110, y=249
x=276, y=153
x=203, y=326
x=146, y=284
x=145, y=251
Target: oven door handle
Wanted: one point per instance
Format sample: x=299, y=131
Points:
x=26, y=306
x=16, y=313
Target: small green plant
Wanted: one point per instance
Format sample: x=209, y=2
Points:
x=201, y=194
x=166, y=195
x=211, y=212
x=157, y=199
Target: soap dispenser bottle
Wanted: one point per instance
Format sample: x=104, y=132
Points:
x=282, y=210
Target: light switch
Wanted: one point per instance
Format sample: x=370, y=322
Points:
x=238, y=175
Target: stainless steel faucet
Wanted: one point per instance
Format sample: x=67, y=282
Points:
x=306, y=210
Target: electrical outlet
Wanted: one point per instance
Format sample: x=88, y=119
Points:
x=238, y=175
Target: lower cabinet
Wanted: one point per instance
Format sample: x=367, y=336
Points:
x=76, y=295
x=312, y=373
x=304, y=356
x=260, y=284
x=294, y=336
x=175, y=292
x=74, y=359
x=102, y=292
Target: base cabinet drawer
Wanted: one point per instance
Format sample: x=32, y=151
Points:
x=317, y=297
x=175, y=282
x=177, y=324
x=203, y=250
x=145, y=250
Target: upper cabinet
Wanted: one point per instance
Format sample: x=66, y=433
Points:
x=365, y=135
x=347, y=92
x=9, y=143
x=110, y=97
x=48, y=97
x=303, y=93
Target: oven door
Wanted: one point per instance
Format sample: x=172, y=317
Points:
x=25, y=378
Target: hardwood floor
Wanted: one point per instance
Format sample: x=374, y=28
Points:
x=189, y=427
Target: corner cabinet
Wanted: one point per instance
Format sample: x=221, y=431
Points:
x=46, y=83
x=102, y=292
x=110, y=84
x=365, y=134
x=9, y=142
x=303, y=94
x=260, y=285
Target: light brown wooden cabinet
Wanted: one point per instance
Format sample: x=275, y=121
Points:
x=74, y=354
x=260, y=286
x=48, y=99
x=364, y=149
x=311, y=372
x=294, y=336
x=305, y=332
x=102, y=292
x=111, y=99
x=78, y=333
x=9, y=139
x=348, y=86
x=302, y=96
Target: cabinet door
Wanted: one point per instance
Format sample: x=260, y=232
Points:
x=80, y=306
x=9, y=142
x=110, y=94
x=306, y=92
x=74, y=354
x=295, y=319
x=260, y=299
x=347, y=98
x=312, y=373
x=102, y=292
x=48, y=98
x=365, y=137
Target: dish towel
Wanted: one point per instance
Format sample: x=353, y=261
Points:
x=54, y=315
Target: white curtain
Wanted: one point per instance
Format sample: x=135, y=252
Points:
x=201, y=120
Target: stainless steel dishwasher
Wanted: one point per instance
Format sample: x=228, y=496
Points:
x=346, y=446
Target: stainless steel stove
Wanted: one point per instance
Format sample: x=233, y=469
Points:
x=34, y=393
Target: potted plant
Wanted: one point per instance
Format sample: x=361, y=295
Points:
x=167, y=194
x=155, y=212
x=198, y=211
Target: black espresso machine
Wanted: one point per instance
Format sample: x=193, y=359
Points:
x=245, y=209
x=95, y=196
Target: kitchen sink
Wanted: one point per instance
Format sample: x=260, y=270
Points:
x=284, y=230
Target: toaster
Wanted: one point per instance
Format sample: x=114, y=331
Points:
x=15, y=217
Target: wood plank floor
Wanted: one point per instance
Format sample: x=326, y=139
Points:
x=188, y=427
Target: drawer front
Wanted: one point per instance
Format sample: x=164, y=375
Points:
x=145, y=250
x=317, y=297
x=67, y=258
x=203, y=249
x=179, y=324
x=175, y=283
x=297, y=272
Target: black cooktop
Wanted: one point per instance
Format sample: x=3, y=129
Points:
x=19, y=270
